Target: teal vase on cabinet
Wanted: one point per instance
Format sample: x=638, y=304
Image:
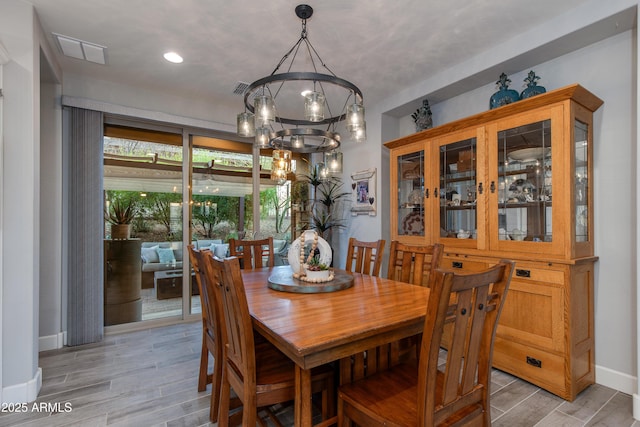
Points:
x=532, y=88
x=505, y=95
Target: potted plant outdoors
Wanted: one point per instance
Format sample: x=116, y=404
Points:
x=121, y=214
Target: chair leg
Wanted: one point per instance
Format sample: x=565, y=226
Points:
x=216, y=385
x=343, y=421
x=204, y=365
x=250, y=411
x=272, y=417
x=225, y=395
x=329, y=400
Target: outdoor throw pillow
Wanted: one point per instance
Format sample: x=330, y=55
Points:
x=219, y=250
x=166, y=255
x=150, y=254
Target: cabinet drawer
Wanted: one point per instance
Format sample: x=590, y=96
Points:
x=533, y=273
x=537, y=366
x=457, y=263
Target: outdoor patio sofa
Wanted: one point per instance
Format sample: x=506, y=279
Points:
x=160, y=256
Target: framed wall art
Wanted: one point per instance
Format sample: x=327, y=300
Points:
x=363, y=187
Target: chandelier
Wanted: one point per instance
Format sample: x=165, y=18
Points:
x=292, y=110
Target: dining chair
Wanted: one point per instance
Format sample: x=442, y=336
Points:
x=211, y=341
x=364, y=257
x=424, y=393
x=253, y=253
x=260, y=375
x=413, y=263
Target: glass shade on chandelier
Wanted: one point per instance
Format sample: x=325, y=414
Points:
x=359, y=134
x=246, y=124
x=263, y=135
x=355, y=117
x=280, y=166
x=264, y=110
x=314, y=106
x=322, y=172
x=355, y=122
x=297, y=142
x=282, y=160
x=278, y=175
x=333, y=162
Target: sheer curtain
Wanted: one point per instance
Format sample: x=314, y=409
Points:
x=83, y=229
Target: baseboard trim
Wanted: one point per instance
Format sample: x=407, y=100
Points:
x=25, y=392
x=622, y=382
x=51, y=342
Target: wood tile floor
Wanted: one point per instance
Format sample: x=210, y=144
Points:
x=149, y=378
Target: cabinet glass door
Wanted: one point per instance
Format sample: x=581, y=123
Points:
x=524, y=183
x=581, y=175
x=411, y=194
x=458, y=213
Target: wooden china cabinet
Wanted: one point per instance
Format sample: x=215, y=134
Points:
x=514, y=182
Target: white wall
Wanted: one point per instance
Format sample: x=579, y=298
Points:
x=20, y=223
x=50, y=313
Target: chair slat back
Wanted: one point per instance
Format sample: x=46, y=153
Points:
x=471, y=303
x=225, y=280
x=364, y=257
x=252, y=252
x=413, y=263
x=196, y=256
x=212, y=342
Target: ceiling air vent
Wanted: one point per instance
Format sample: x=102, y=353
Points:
x=240, y=88
x=79, y=49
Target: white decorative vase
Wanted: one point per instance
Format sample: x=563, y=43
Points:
x=318, y=274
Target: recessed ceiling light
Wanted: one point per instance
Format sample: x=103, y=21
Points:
x=173, y=57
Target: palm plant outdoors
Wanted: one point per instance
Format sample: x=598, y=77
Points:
x=121, y=212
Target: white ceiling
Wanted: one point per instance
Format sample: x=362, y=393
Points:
x=380, y=45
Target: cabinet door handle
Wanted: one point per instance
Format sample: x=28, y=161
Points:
x=456, y=264
x=493, y=187
x=480, y=188
x=534, y=362
x=523, y=273
x=426, y=193
x=435, y=192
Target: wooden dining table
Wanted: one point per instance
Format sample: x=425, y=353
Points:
x=317, y=328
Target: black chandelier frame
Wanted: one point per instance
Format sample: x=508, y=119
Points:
x=330, y=140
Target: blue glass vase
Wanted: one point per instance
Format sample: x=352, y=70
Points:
x=505, y=95
x=532, y=88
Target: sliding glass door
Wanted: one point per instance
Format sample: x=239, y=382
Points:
x=167, y=189
x=143, y=228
